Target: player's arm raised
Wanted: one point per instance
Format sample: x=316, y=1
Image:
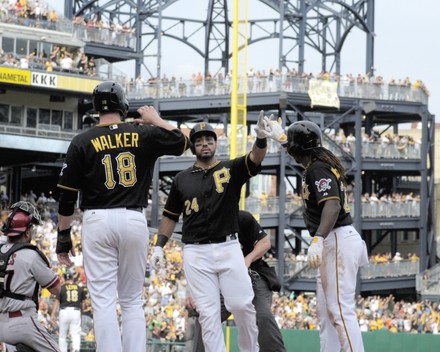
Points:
x=266, y=128
x=149, y=116
x=259, y=148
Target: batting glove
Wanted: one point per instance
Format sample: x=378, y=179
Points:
x=64, y=241
x=314, y=254
x=275, y=130
x=157, y=260
x=262, y=126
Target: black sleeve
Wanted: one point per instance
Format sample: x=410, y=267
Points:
x=173, y=206
x=165, y=142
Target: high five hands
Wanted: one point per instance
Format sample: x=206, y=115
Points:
x=270, y=127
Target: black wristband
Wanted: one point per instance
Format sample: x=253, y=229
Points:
x=161, y=240
x=261, y=143
x=64, y=241
x=319, y=234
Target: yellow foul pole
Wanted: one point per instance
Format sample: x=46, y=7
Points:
x=238, y=140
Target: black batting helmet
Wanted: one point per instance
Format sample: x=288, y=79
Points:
x=199, y=129
x=303, y=136
x=22, y=216
x=109, y=96
x=69, y=274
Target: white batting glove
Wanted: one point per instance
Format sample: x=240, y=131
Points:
x=262, y=126
x=314, y=254
x=275, y=130
x=157, y=260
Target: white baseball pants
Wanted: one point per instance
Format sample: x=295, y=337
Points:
x=344, y=252
x=209, y=269
x=70, y=319
x=115, y=247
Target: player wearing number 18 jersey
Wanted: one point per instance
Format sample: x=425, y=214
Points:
x=112, y=165
x=70, y=303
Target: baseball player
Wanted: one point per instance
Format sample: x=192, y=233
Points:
x=112, y=165
x=337, y=249
x=70, y=304
x=23, y=269
x=254, y=244
x=208, y=193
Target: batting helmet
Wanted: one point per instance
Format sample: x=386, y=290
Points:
x=109, y=96
x=22, y=216
x=303, y=136
x=202, y=128
x=69, y=274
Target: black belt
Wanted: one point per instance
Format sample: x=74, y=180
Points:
x=232, y=236
x=139, y=209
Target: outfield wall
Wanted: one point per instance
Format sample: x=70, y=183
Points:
x=378, y=341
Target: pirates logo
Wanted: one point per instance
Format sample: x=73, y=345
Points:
x=323, y=184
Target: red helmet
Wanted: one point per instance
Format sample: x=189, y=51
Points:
x=21, y=217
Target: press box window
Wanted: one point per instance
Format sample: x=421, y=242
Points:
x=4, y=113
x=16, y=115
x=31, y=118
x=44, y=117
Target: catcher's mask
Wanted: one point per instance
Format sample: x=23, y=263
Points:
x=22, y=216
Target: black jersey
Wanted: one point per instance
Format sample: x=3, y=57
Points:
x=250, y=232
x=112, y=164
x=321, y=182
x=209, y=198
x=72, y=295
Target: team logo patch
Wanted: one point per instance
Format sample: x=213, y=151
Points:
x=323, y=184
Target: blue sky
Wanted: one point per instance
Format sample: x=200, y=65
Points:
x=406, y=44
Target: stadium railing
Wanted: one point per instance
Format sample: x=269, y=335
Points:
x=428, y=282
x=191, y=88
x=369, y=271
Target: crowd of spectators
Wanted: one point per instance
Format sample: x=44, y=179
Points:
x=374, y=313
x=379, y=146
x=28, y=13
x=273, y=80
x=38, y=14
x=60, y=59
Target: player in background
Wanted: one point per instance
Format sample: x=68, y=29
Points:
x=337, y=250
x=254, y=244
x=111, y=164
x=208, y=194
x=25, y=269
x=70, y=306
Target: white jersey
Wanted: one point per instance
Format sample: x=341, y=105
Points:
x=25, y=268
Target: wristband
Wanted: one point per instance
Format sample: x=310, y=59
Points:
x=261, y=143
x=319, y=234
x=161, y=240
x=64, y=241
